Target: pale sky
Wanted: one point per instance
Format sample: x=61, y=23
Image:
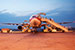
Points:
x=24, y=7
x=18, y=10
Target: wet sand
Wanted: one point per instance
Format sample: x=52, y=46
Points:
x=38, y=41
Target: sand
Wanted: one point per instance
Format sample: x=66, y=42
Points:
x=38, y=41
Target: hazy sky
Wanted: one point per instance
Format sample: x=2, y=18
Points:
x=19, y=10
x=24, y=7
